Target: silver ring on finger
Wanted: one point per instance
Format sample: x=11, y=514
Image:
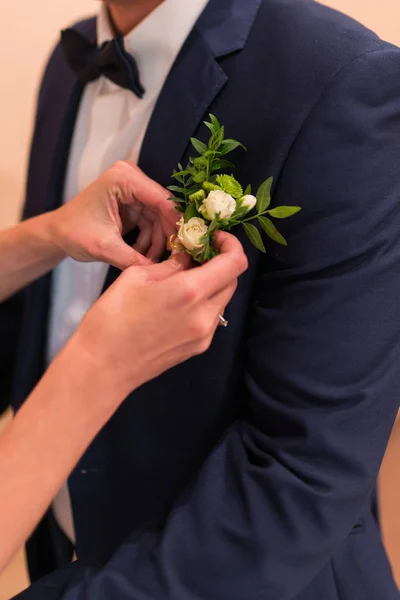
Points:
x=222, y=321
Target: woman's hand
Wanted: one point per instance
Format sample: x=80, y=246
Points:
x=155, y=317
x=90, y=226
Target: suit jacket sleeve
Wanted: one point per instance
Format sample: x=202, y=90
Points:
x=10, y=320
x=283, y=489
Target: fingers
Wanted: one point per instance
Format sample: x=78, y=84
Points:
x=120, y=255
x=158, y=243
x=144, y=238
x=169, y=222
x=214, y=276
x=135, y=185
x=135, y=277
x=141, y=199
x=220, y=301
x=227, y=243
x=179, y=261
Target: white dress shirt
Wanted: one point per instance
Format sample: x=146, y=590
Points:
x=110, y=126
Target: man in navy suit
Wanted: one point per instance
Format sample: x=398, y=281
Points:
x=248, y=472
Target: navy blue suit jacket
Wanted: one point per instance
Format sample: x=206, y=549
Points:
x=247, y=473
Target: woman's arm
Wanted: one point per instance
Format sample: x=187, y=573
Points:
x=27, y=251
x=45, y=440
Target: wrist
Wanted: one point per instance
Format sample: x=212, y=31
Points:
x=103, y=385
x=51, y=234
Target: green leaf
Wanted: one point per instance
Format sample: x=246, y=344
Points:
x=214, y=126
x=282, y=212
x=229, y=145
x=247, y=191
x=222, y=164
x=216, y=140
x=254, y=236
x=180, y=208
x=225, y=224
x=272, y=231
x=191, y=212
x=180, y=167
x=191, y=190
x=239, y=214
x=215, y=121
x=175, y=188
x=177, y=200
x=210, y=127
x=178, y=174
x=213, y=227
x=264, y=195
x=230, y=185
x=199, y=146
x=207, y=254
x=199, y=177
x=200, y=161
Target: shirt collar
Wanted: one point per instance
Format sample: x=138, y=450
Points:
x=156, y=42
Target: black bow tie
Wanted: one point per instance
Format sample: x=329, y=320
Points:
x=111, y=60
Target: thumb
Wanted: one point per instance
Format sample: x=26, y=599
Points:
x=119, y=254
x=179, y=261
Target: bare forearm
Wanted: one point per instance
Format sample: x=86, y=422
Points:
x=27, y=251
x=46, y=439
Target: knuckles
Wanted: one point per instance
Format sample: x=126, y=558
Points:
x=198, y=330
x=201, y=328
x=188, y=292
x=99, y=248
x=203, y=345
x=123, y=166
x=241, y=262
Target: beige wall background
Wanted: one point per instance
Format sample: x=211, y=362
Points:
x=29, y=30
x=24, y=46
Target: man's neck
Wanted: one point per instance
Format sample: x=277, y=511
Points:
x=127, y=15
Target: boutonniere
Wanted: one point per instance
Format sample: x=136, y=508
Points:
x=210, y=200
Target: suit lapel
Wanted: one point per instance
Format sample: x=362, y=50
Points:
x=57, y=111
x=56, y=117
x=192, y=85
x=194, y=81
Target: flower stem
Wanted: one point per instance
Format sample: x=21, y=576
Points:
x=254, y=217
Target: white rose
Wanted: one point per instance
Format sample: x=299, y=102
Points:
x=190, y=233
x=218, y=202
x=248, y=202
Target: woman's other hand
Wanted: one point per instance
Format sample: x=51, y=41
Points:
x=91, y=225
x=157, y=316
